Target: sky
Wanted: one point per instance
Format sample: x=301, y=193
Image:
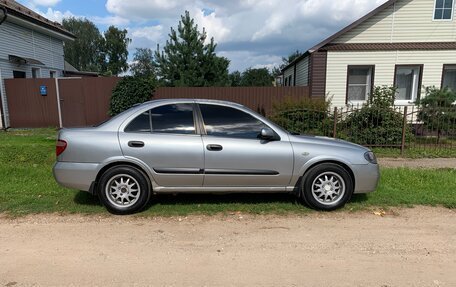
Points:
x=250, y=33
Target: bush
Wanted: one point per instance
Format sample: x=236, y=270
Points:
x=438, y=111
x=376, y=123
x=302, y=116
x=130, y=91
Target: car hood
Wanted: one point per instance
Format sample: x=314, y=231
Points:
x=320, y=140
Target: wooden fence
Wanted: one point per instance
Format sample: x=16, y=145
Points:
x=73, y=102
x=260, y=99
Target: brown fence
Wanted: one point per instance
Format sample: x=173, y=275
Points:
x=83, y=101
x=260, y=99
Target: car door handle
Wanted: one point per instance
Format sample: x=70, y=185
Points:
x=135, y=144
x=214, y=147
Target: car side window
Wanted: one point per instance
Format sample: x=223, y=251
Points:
x=225, y=121
x=173, y=119
x=141, y=124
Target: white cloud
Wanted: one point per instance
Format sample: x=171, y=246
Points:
x=55, y=15
x=146, y=37
x=45, y=3
x=110, y=20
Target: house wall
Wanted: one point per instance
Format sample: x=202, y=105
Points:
x=302, y=72
x=24, y=42
x=288, y=72
x=384, y=61
x=405, y=21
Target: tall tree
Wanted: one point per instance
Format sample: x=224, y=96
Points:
x=116, y=49
x=85, y=53
x=188, y=60
x=235, y=79
x=256, y=78
x=143, y=63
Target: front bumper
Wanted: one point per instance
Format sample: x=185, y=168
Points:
x=76, y=175
x=367, y=177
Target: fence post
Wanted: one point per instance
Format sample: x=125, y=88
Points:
x=335, y=123
x=404, y=126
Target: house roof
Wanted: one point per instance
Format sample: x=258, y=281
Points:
x=343, y=31
x=18, y=10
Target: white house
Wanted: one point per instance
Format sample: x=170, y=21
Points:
x=31, y=46
x=409, y=44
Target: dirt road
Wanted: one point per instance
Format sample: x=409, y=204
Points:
x=408, y=247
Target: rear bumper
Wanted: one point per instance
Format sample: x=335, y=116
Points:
x=366, y=177
x=76, y=175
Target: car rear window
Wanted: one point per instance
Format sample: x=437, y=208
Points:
x=141, y=124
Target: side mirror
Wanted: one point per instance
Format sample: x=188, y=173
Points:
x=268, y=134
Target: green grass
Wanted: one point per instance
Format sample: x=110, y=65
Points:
x=417, y=152
x=27, y=186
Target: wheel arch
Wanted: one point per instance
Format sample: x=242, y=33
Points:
x=332, y=161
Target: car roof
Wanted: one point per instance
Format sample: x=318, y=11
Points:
x=181, y=100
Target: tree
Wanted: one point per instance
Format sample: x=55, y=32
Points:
x=143, y=63
x=235, y=79
x=187, y=60
x=116, y=48
x=86, y=52
x=129, y=91
x=276, y=71
x=257, y=78
x=438, y=110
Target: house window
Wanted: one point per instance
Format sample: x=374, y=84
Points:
x=443, y=9
x=408, y=82
x=52, y=74
x=359, y=83
x=289, y=81
x=449, y=77
x=18, y=74
x=35, y=73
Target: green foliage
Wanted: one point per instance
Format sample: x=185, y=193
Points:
x=235, y=79
x=256, y=78
x=438, y=111
x=130, y=91
x=86, y=52
x=306, y=116
x=90, y=51
x=376, y=123
x=116, y=49
x=143, y=63
x=276, y=71
x=187, y=61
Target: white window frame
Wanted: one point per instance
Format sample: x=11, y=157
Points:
x=452, y=11
x=445, y=67
x=37, y=73
x=416, y=91
x=369, y=83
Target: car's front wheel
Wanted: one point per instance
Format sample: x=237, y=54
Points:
x=326, y=186
x=124, y=190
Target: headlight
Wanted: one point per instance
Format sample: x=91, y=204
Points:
x=370, y=157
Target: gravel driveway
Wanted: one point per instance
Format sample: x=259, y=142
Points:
x=405, y=247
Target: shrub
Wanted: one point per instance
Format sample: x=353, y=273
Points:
x=302, y=116
x=438, y=111
x=376, y=123
x=130, y=91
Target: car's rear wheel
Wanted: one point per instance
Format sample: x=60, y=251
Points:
x=326, y=186
x=124, y=190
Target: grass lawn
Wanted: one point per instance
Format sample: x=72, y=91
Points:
x=27, y=186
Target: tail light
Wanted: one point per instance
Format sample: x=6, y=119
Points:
x=60, y=147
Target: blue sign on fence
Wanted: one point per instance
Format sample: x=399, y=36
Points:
x=43, y=90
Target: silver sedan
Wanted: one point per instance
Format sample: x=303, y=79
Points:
x=192, y=146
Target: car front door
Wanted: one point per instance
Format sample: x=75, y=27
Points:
x=234, y=154
x=166, y=139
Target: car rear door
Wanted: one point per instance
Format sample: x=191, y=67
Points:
x=235, y=156
x=166, y=139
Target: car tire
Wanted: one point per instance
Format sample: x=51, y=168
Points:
x=326, y=186
x=124, y=190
